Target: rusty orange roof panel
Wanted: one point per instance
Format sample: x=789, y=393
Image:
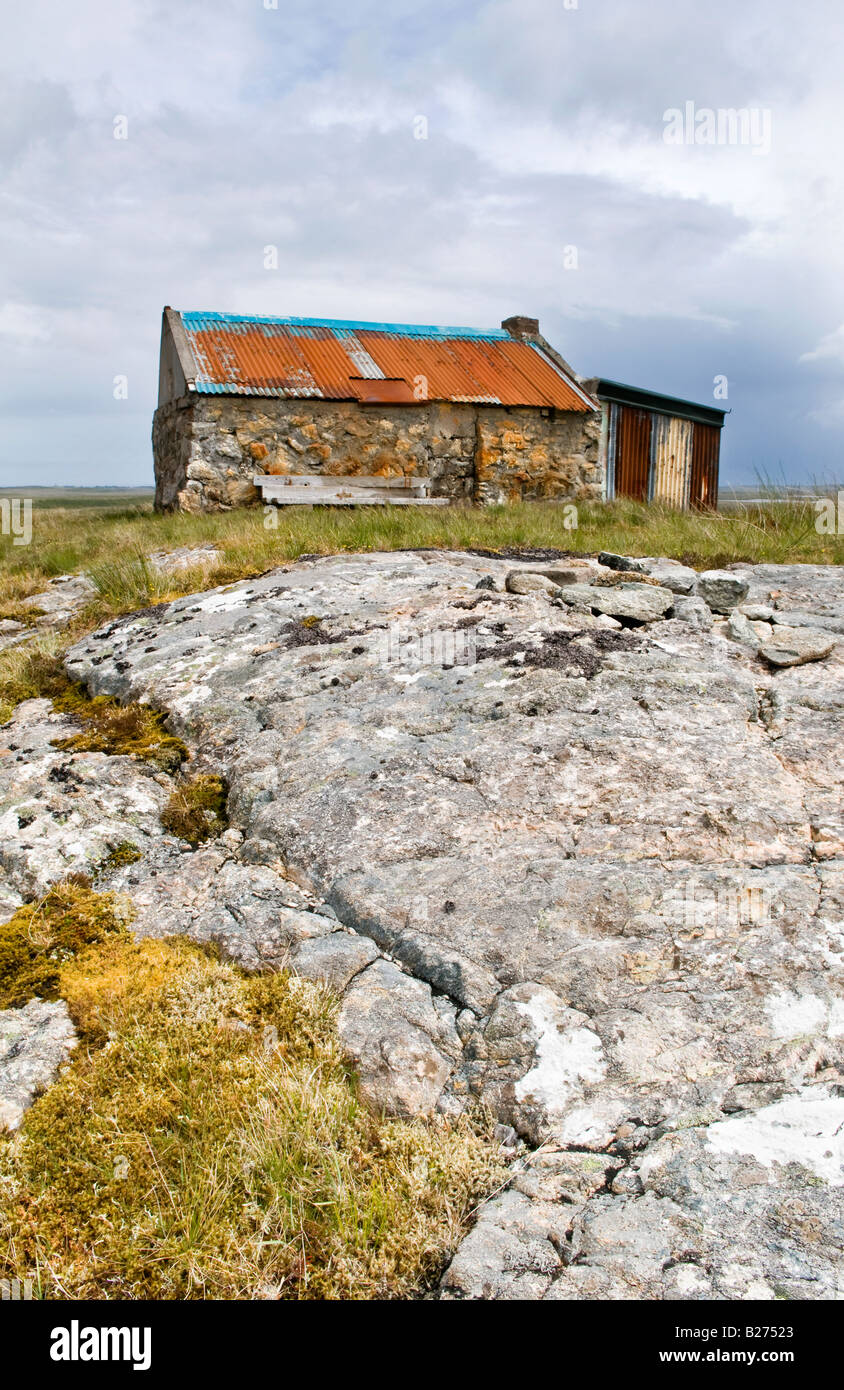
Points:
x=330, y=360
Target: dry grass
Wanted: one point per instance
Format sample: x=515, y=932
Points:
x=206, y=1142
x=114, y=546
x=27, y=672
x=196, y=810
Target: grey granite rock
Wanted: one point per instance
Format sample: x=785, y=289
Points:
x=63, y=812
x=723, y=590
x=693, y=611
x=529, y=582
x=623, y=563
x=184, y=557
x=251, y=913
x=66, y=595
x=645, y=847
x=512, y=1253
x=334, y=960
x=794, y=646
x=542, y=1056
x=680, y=579
x=404, y=1046
x=643, y=603
x=741, y=629
x=34, y=1042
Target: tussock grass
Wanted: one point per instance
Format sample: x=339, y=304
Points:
x=29, y=671
x=206, y=1142
x=114, y=545
x=196, y=810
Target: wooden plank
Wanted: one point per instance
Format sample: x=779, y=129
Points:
x=311, y=500
x=332, y=480
x=341, y=490
x=309, y=494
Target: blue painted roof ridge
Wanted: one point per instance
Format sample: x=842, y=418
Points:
x=193, y=317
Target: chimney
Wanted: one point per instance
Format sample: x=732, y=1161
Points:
x=520, y=327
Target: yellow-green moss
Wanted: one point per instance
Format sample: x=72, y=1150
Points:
x=196, y=810
x=214, y=1147
x=106, y=726
x=109, y=727
x=29, y=671
x=41, y=937
x=117, y=858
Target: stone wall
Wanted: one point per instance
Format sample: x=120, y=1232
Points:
x=207, y=449
x=525, y=455
x=171, y=451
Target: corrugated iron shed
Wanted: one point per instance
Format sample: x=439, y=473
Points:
x=659, y=448
x=330, y=359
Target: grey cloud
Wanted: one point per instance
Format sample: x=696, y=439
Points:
x=294, y=128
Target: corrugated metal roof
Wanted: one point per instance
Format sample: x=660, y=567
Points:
x=654, y=400
x=245, y=355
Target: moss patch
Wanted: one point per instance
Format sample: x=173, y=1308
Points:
x=21, y=613
x=196, y=810
x=41, y=937
x=27, y=672
x=214, y=1147
x=134, y=730
x=117, y=858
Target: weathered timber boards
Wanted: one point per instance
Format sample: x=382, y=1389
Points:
x=350, y=491
x=326, y=500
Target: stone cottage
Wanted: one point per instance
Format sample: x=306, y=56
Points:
x=486, y=415
x=489, y=416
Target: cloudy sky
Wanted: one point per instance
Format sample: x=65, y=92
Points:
x=297, y=127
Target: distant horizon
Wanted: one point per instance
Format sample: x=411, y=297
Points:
x=808, y=489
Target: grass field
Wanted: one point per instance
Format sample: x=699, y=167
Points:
x=99, y=497
x=112, y=542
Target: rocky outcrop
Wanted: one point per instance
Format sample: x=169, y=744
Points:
x=64, y=812
x=34, y=1042
x=591, y=876
x=48, y=611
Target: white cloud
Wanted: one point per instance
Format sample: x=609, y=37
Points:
x=24, y=323
x=830, y=348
